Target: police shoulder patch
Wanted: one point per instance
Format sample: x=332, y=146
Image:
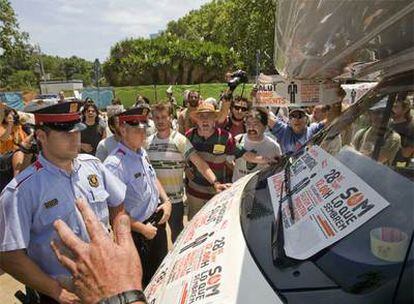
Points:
x=93, y=180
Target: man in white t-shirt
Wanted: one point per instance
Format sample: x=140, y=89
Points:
x=168, y=151
x=255, y=141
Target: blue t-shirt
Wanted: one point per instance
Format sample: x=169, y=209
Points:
x=289, y=141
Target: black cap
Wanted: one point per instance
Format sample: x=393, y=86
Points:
x=137, y=116
x=64, y=116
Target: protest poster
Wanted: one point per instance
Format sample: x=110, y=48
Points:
x=200, y=268
x=354, y=92
x=329, y=202
x=276, y=91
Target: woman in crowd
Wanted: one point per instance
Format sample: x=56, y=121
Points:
x=11, y=132
x=94, y=132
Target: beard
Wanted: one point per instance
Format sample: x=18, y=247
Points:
x=193, y=103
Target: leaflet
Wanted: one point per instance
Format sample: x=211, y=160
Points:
x=328, y=199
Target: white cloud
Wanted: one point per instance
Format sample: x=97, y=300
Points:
x=88, y=28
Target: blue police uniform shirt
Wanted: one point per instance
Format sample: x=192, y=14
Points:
x=135, y=170
x=289, y=141
x=43, y=193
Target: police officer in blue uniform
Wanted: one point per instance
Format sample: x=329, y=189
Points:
x=130, y=162
x=47, y=191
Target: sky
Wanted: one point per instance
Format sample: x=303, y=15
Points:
x=88, y=28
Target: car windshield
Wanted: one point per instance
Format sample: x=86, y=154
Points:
x=374, y=139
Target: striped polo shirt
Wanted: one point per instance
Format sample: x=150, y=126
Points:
x=214, y=150
x=168, y=157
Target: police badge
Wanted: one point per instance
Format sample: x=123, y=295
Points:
x=93, y=180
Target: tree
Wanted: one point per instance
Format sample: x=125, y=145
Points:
x=167, y=59
x=245, y=26
x=15, y=51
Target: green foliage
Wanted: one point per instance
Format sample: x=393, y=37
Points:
x=128, y=94
x=23, y=79
x=20, y=65
x=199, y=47
x=15, y=51
x=167, y=59
x=68, y=68
x=245, y=26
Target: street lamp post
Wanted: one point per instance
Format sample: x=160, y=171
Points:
x=97, y=74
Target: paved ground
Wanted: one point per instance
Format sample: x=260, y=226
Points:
x=8, y=286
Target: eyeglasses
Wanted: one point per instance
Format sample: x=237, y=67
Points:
x=297, y=115
x=238, y=108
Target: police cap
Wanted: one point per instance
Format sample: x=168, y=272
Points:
x=137, y=116
x=64, y=116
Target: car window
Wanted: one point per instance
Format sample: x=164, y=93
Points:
x=367, y=264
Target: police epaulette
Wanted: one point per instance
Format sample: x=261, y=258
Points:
x=84, y=156
x=25, y=175
x=120, y=151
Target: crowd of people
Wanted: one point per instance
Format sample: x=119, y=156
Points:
x=155, y=163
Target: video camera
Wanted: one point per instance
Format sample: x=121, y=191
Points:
x=33, y=146
x=237, y=78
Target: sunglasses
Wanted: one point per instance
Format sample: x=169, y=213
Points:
x=297, y=115
x=238, y=108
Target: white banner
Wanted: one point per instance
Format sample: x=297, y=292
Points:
x=275, y=91
x=329, y=202
x=354, y=92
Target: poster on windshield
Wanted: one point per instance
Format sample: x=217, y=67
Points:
x=200, y=270
x=276, y=91
x=329, y=202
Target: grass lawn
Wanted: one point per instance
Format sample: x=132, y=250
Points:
x=128, y=94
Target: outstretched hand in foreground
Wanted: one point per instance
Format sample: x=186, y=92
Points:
x=103, y=267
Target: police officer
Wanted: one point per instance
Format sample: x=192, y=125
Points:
x=47, y=191
x=130, y=162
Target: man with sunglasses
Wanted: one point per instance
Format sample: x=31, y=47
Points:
x=294, y=134
x=47, y=191
x=130, y=162
x=234, y=123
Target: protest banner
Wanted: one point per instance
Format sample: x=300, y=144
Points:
x=354, y=92
x=329, y=202
x=276, y=91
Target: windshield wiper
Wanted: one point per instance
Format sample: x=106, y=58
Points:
x=278, y=238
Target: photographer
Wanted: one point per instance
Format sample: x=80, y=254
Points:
x=185, y=122
x=232, y=119
x=234, y=122
x=14, y=162
x=11, y=132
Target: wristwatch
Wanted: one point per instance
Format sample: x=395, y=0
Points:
x=125, y=297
